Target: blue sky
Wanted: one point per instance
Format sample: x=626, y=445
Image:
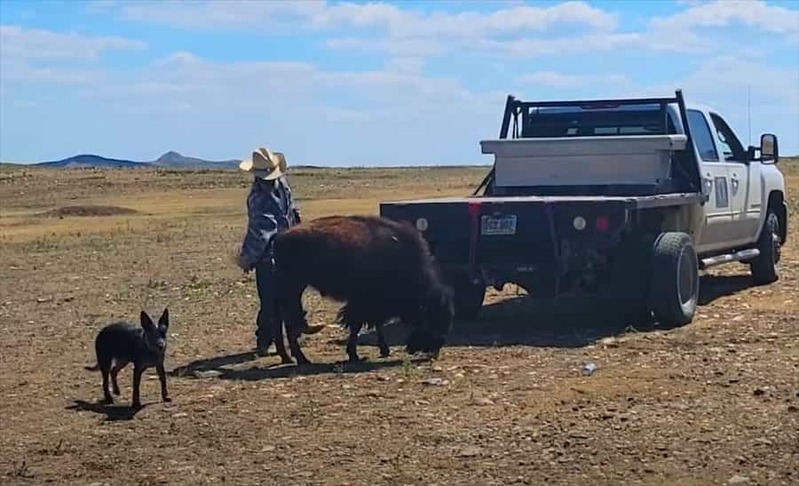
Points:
x=368, y=83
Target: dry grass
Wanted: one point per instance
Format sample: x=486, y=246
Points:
x=696, y=405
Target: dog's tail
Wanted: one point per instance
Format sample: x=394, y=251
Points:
x=94, y=367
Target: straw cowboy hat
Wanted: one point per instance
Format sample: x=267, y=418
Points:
x=265, y=164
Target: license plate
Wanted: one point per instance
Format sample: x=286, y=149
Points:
x=504, y=225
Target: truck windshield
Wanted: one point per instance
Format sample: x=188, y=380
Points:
x=574, y=121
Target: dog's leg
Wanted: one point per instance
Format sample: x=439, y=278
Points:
x=137, y=372
x=114, y=372
x=162, y=378
x=105, y=370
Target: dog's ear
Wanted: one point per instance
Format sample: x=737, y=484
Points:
x=163, y=321
x=146, y=322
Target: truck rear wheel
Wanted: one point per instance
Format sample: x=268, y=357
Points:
x=674, y=285
x=764, y=268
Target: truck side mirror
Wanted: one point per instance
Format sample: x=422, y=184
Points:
x=769, y=149
x=750, y=153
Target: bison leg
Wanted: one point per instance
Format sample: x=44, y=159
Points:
x=280, y=346
x=381, y=341
x=292, y=314
x=294, y=346
x=277, y=333
x=352, y=341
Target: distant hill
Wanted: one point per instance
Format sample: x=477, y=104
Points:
x=88, y=160
x=170, y=159
x=174, y=159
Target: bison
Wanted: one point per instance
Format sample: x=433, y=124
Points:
x=381, y=269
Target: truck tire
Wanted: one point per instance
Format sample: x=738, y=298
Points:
x=468, y=299
x=764, y=268
x=674, y=280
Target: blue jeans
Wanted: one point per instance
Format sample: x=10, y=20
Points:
x=266, y=284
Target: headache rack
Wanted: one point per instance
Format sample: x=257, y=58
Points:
x=653, y=117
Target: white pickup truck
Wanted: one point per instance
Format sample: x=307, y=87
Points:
x=627, y=199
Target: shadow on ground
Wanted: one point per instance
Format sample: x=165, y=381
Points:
x=111, y=412
x=216, y=368
x=524, y=321
x=517, y=321
x=714, y=287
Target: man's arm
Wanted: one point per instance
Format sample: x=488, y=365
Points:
x=261, y=227
x=292, y=205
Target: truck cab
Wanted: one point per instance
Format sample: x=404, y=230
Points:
x=740, y=187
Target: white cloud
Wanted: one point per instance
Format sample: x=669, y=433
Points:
x=513, y=29
x=398, y=21
x=42, y=56
x=186, y=80
x=722, y=13
x=29, y=44
x=690, y=30
x=401, y=30
x=558, y=79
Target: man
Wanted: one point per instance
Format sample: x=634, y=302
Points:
x=270, y=209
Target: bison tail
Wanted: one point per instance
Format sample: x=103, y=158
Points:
x=343, y=318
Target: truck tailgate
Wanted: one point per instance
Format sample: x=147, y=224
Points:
x=506, y=231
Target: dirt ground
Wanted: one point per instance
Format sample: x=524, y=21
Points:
x=714, y=402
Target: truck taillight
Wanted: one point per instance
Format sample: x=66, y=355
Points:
x=473, y=208
x=602, y=223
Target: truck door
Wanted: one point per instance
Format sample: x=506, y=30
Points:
x=745, y=189
x=715, y=182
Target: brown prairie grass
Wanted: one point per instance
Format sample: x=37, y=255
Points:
x=695, y=405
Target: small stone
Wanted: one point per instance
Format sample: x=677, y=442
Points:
x=435, y=382
x=483, y=401
x=269, y=448
x=737, y=479
x=180, y=414
x=759, y=392
x=470, y=451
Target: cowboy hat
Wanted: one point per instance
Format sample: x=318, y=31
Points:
x=265, y=164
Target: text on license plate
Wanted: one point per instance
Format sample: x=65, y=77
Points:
x=503, y=225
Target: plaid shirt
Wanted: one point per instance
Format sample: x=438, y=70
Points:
x=270, y=208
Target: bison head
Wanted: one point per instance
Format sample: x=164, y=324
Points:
x=437, y=313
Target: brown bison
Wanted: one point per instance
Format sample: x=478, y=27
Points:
x=382, y=269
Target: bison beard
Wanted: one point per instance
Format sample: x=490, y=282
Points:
x=381, y=268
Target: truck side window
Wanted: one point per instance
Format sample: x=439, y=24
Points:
x=730, y=145
x=702, y=136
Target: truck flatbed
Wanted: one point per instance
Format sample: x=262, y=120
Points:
x=639, y=202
